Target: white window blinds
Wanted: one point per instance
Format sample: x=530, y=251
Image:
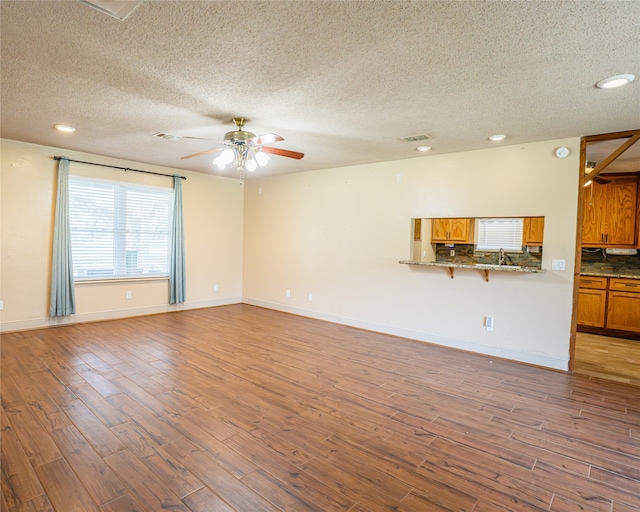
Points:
x=496, y=234
x=119, y=229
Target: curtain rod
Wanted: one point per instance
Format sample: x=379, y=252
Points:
x=116, y=167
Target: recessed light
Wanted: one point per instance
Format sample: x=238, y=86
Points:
x=615, y=81
x=64, y=128
x=423, y=148
x=497, y=138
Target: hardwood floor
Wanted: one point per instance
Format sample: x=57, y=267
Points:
x=608, y=358
x=239, y=408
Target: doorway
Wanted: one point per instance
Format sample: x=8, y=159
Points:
x=607, y=260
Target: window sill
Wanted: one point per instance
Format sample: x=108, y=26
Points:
x=104, y=280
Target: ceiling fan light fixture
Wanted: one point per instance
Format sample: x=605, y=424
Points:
x=262, y=158
x=226, y=157
x=244, y=150
x=615, y=81
x=251, y=165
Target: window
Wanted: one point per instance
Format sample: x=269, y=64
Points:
x=119, y=229
x=496, y=234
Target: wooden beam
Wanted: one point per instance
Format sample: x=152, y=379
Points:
x=605, y=163
x=610, y=136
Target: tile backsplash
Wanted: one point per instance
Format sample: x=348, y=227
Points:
x=595, y=260
x=465, y=254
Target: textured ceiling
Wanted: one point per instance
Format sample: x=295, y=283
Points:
x=341, y=81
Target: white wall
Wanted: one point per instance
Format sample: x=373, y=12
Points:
x=213, y=211
x=339, y=233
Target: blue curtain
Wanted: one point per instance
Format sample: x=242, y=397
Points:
x=177, y=274
x=63, y=300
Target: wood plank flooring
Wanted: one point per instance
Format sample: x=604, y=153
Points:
x=239, y=408
x=608, y=358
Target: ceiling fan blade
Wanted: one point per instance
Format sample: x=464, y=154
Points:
x=266, y=139
x=208, y=152
x=168, y=136
x=282, y=152
x=196, y=138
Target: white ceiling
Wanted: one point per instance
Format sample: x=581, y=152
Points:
x=341, y=81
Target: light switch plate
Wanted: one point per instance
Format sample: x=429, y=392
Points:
x=557, y=265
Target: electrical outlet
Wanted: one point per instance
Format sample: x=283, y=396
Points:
x=452, y=252
x=287, y=293
x=310, y=297
x=128, y=294
x=216, y=288
x=1, y=305
x=489, y=323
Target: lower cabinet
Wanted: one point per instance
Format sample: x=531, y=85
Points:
x=611, y=303
x=591, y=307
x=592, y=301
x=624, y=305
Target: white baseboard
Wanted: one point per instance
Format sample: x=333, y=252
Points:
x=514, y=355
x=39, y=323
x=470, y=346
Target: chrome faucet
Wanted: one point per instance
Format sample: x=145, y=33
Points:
x=502, y=258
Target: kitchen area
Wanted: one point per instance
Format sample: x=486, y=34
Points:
x=608, y=316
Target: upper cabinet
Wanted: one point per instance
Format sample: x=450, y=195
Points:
x=532, y=231
x=609, y=216
x=452, y=230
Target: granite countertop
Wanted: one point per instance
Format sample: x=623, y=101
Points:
x=478, y=266
x=627, y=273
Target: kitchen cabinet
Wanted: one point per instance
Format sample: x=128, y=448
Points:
x=609, y=213
x=592, y=301
x=624, y=304
x=458, y=231
x=532, y=231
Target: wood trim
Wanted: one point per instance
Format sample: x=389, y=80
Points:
x=607, y=161
x=609, y=136
x=578, y=256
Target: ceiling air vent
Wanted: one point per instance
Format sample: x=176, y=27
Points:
x=415, y=138
x=117, y=8
x=166, y=136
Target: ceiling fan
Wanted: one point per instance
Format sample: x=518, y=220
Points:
x=246, y=150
